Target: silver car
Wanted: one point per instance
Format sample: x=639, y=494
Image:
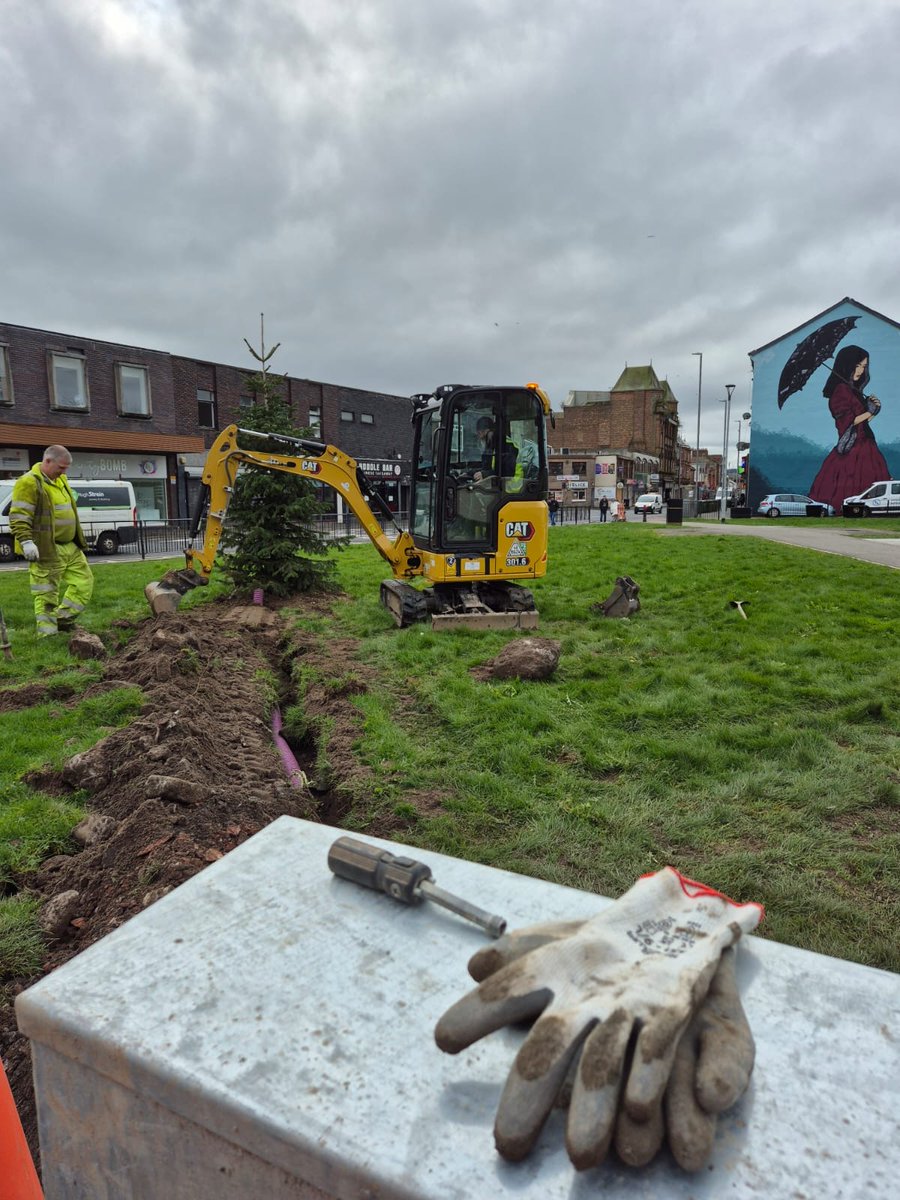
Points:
x=790, y=504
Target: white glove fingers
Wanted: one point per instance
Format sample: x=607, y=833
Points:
x=637, y=1142
x=513, y=945
x=690, y=1129
x=595, y=1091
x=651, y=1063
x=488, y=1008
x=726, y=1051
x=533, y=1084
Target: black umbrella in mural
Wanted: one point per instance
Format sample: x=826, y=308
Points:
x=809, y=355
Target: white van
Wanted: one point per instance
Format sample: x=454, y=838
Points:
x=107, y=511
x=880, y=500
x=651, y=502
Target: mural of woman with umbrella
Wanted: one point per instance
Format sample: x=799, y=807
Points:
x=855, y=462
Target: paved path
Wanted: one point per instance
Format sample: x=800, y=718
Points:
x=843, y=541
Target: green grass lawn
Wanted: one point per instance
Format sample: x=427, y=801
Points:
x=760, y=756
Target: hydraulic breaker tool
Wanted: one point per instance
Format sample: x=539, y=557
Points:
x=403, y=879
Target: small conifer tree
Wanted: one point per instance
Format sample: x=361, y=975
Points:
x=269, y=539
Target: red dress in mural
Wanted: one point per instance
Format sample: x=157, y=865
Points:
x=855, y=462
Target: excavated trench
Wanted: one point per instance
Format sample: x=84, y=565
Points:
x=195, y=774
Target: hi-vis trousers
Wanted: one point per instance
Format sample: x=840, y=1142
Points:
x=69, y=575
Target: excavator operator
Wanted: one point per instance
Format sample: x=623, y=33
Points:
x=492, y=462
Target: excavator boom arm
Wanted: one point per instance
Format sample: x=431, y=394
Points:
x=312, y=460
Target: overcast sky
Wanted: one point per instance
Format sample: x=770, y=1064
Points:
x=419, y=192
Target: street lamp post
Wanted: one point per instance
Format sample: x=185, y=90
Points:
x=698, y=354
x=741, y=447
x=723, y=503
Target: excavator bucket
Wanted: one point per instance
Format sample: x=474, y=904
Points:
x=622, y=601
x=164, y=595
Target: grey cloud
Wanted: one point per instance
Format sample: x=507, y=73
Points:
x=478, y=189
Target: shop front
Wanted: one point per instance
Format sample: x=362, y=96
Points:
x=390, y=479
x=13, y=462
x=147, y=473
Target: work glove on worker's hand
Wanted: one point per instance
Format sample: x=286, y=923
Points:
x=30, y=551
x=644, y=964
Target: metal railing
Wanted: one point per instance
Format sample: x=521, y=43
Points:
x=703, y=510
x=172, y=536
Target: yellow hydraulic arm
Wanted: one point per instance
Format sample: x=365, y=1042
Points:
x=310, y=459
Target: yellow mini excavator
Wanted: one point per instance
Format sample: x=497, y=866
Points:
x=478, y=512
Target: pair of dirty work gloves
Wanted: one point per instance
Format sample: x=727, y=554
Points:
x=640, y=1029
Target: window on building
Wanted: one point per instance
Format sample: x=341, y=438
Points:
x=366, y=419
x=68, y=383
x=315, y=421
x=347, y=415
x=246, y=401
x=206, y=409
x=132, y=390
x=579, y=468
x=6, y=392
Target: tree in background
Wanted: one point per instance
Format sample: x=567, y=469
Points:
x=272, y=543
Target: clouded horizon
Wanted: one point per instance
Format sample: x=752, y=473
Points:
x=465, y=191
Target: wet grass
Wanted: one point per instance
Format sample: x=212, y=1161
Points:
x=761, y=756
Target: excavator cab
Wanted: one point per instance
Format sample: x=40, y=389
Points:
x=478, y=506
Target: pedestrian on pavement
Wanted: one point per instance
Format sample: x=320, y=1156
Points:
x=553, y=505
x=43, y=517
x=604, y=509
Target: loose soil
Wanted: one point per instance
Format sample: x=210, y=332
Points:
x=193, y=776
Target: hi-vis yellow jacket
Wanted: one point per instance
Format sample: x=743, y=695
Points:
x=44, y=512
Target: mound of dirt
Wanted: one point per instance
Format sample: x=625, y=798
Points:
x=194, y=775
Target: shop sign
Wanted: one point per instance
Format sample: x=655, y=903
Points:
x=99, y=465
x=13, y=460
x=378, y=468
x=577, y=485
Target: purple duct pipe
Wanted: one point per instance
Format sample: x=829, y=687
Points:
x=292, y=767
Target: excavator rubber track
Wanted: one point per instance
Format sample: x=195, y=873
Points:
x=406, y=604
x=476, y=606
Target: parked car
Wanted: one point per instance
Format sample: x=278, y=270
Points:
x=650, y=502
x=107, y=510
x=790, y=504
x=880, y=500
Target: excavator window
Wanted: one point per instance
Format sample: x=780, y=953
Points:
x=497, y=452
x=424, y=497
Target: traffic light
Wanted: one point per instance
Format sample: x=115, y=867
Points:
x=742, y=465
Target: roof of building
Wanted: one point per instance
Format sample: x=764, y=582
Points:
x=817, y=317
x=577, y=399
x=637, y=379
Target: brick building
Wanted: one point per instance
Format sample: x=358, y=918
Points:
x=126, y=412
x=620, y=442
